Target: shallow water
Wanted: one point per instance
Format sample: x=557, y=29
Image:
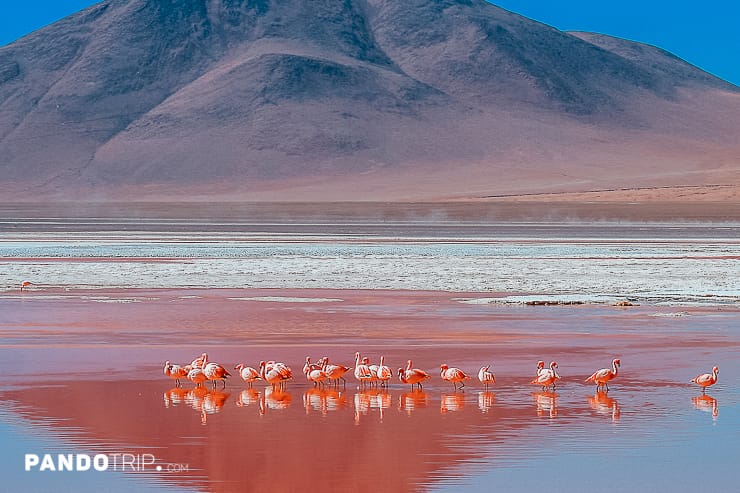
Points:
x=81, y=351
x=85, y=377
x=513, y=437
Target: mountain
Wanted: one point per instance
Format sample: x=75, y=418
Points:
x=349, y=100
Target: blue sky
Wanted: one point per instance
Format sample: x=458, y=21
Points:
x=703, y=33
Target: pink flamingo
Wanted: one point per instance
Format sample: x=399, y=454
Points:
x=384, y=373
x=314, y=374
x=453, y=375
x=547, y=378
x=373, y=370
x=362, y=372
x=334, y=372
x=24, y=285
x=486, y=377
x=247, y=373
x=215, y=372
x=706, y=379
x=175, y=371
x=541, y=367
x=601, y=377
x=412, y=376
x=276, y=374
x=200, y=361
x=311, y=366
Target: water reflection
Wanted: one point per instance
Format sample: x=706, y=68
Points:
x=175, y=396
x=248, y=397
x=371, y=399
x=605, y=405
x=485, y=401
x=445, y=430
x=274, y=399
x=451, y=402
x=411, y=401
x=323, y=400
x=706, y=403
x=547, y=403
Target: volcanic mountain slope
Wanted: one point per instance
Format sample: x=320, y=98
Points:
x=349, y=99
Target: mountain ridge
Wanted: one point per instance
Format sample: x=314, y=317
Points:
x=263, y=99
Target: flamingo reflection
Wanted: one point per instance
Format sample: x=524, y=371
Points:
x=410, y=401
x=706, y=403
x=323, y=400
x=275, y=399
x=248, y=397
x=451, y=402
x=603, y=404
x=371, y=399
x=547, y=403
x=174, y=397
x=485, y=401
x=200, y=399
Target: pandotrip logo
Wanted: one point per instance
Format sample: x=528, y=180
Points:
x=117, y=462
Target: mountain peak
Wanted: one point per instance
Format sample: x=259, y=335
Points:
x=243, y=96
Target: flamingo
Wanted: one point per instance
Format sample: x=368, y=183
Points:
x=453, y=375
x=24, y=285
x=247, y=373
x=601, y=377
x=486, y=377
x=547, y=377
x=541, y=367
x=200, y=361
x=362, y=372
x=175, y=371
x=384, y=373
x=311, y=366
x=315, y=375
x=373, y=370
x=412, y=376
x=281, y=368
x=214, y=372
x=276, y=374
x=197, y=376
x=334, y=372
x=707, y=379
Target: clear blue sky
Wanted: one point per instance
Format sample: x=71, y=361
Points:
x=706, y=34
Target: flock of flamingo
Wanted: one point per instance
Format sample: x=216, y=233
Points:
x=277, y=374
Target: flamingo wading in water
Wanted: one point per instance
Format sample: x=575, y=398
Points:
x=453, y=375
x=176, y=372
x=247, y=373
x=486, y=377
x=707, y=379
x=412, y=376
x=215, y=372
x=601, y=377
x=547, y=377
